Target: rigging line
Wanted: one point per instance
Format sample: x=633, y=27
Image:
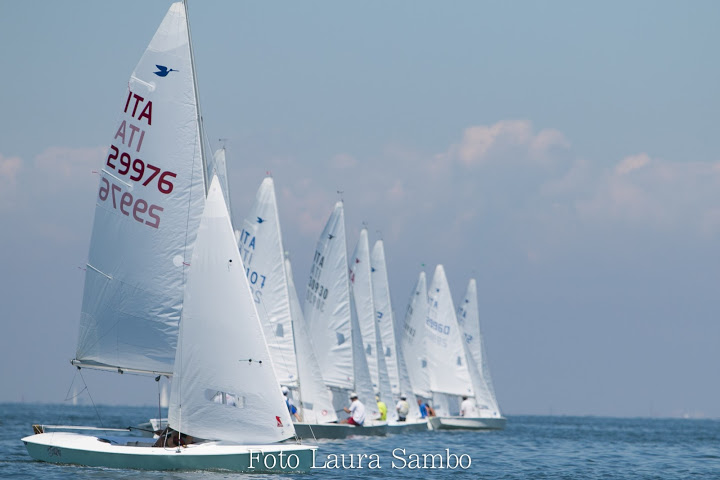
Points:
x=97, y=412
x=76, y=395
x=67, y=395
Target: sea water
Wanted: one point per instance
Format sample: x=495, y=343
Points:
x=531, y=447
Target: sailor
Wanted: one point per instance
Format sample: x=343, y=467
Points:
x=356, y=411
x=402, y=408
x=381, y=407
x=467, y=407
x=288, y=401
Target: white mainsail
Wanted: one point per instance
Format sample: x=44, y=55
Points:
x=397, y=370
x=413, y=339
x=263, y=256
x=362, y=290
x=361, y=372
x=384, y=314
x=221, y=351
x=468, y=317
x=332, y=320
x=148, y=208
x=446, y=360
x=315, y=403
x=327, y=304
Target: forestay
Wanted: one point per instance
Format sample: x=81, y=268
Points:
x=149, y=204
x=224, y=386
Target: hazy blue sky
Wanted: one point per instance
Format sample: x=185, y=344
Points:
x=564, y=153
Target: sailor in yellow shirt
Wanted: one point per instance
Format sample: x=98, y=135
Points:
x=381, y=407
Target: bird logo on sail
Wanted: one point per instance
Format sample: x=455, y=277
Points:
x=163, y=71
x=260, y=219
x=279, y=422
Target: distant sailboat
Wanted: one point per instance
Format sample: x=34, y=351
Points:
x=448, y=368
x=412, y=336
x=330, y=315
x=160, y=251
x=397, y=370
x=270, y=279
x=468, y=318
x=362, y=291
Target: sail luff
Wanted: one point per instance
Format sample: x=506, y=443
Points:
x=201, y=129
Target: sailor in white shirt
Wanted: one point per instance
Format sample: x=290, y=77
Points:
x=356, y=411
x=467, y=407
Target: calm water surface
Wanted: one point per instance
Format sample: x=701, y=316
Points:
x=532, y=447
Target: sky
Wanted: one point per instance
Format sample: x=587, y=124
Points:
x=565, y=154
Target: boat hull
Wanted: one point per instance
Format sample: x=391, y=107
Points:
x=467, y=423
x=333, y=431
x=408, y=427
x=95, y=451
x=379, y=430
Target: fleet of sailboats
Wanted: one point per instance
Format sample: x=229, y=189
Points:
x=172, y=289
x=166, y=291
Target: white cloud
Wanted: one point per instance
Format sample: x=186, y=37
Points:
x=9, y=168
x=658, y=194
x=633, y=162
x=482, y=144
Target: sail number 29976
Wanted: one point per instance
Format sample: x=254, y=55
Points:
x=140, y=210
x=125, y=164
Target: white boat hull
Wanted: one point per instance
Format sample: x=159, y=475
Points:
x=467, y=423
x=114, y=452
x=408, y=427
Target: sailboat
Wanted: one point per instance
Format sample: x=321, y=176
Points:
x=412, y=340
x=161, y=252
x=449, y=370
x=362, y=292
x=397, y=370
x=468, y=317
x=270, y=278
x=335, y=331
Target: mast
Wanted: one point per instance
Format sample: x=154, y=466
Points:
x=206, y=181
